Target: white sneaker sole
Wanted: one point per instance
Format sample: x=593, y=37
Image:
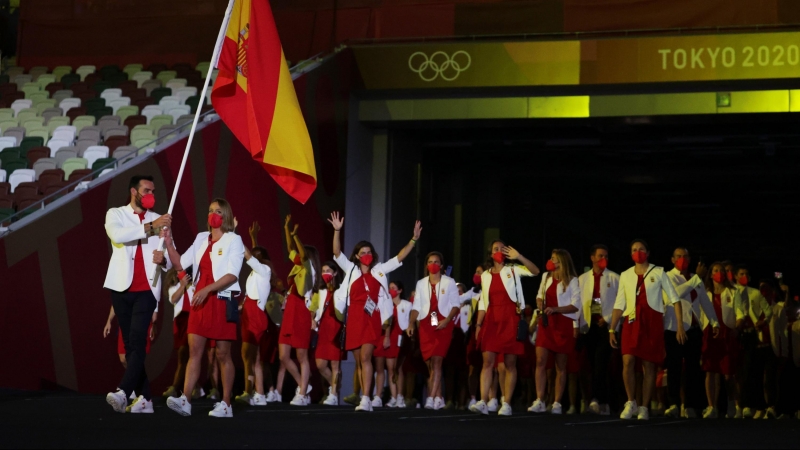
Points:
x=112, y=400
x=178, y=409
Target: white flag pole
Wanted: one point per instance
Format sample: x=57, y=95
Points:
x=200, y=104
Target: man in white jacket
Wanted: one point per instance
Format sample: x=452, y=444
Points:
x=135, y=260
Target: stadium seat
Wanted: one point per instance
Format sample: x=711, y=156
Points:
x=132, y=68
x=53, y=188
x=82, y=88
x=12, y=96
x=6, y=203
x=21, y=176
x=36, y=153
x=144, y=144
x=5, y=124
x=7, y=141
x=31, y=88
x=158, y=93
x=184, y=93
x=69, y=80
x=152, y=111
x=37, y=132
x=3, y=178
x=141, y=77
x=60, y=71
x=123, y=152
x=111, y=94
x=36, y=71
x=102, y=112
x=45, y=79
x=108, y=121
x=86, y=95
x=65, y=135
x=62, y=95
x=61, y=123
x=94, y=103
x=21, y=80
x=83, y=144
x=27, y=114
x=133, y=121
x=43, y=104
x=168, y=101
x=69, y=103
x=23, y=205
x=166, y=75
x=77, y=174
x=15, y=132
x=202, y=67
x=91, y=132
x=142, y=132
x=113, y=142
x=166, y=133
x=6, y=113
x=115, y=130
x=94, y=153
x=73, y=164
x=49, y=178
x=159, y=121
x=55, y=144
x=5, y=188
x=19, y=105
x=103, y=163
x=53, y=88
x=51, y=113
x=127, y=111
x=118, y=103
x=175, y=84
x=83, y=121
x=143, y=103
x=85, y=70
x=29, y=142
x=92, y=79
x=65, y=153
x=115, y=79
x=101, y=86
x=136, y=94
x=44, y=164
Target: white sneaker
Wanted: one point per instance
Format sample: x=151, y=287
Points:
x=117, y=400
x=401, y=401
x=770, y=413
x=571, y=411
x=759, y=415
x=180, y=405
x=244, y=398
x=747, y=413
x=710, y=413
x=298, y=400
x=739, y=413
x=392, y=403
x=297, y=390
x=479, y=408
x=556, y=408
x=271, y=397
x=583, y=406
x=197, y=393
x=141, y=406
x=594, y=407
x=133, y=396
x=332, y=400
x=170, y=392
x=213, y=394
x=505, y=410
x=538, y=406
x=258, y=400
x=377, y=402
x=221, y=409
x=630, y=409
x=429, y=403
x=644, y=413
x=492, y=405
x=672, y=411
x=365, y=404
x=689, y=413
x=438, y=403
x=605, y=410
x=471, y=402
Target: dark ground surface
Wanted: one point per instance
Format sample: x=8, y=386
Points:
x=73, y=420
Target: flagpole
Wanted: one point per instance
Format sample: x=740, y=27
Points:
x=200, y=104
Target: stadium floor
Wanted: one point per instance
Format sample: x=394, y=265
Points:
x=74, y=420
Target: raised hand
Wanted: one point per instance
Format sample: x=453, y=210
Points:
x=288, y=221
x=510, y=252
x=417, y=230
x=254, y=229
x=338, y=222
x=296, y=227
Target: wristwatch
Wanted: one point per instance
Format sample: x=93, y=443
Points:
x=612, y=331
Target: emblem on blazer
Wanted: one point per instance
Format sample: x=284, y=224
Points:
x=380, y=274
x=508, y=276
x=608, y=285
x=219, y=252
x=442, y=291
x=652, y=280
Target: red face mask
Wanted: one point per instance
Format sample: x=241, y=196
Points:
x=148, y=201
x=730, y=276
x=639, y=257
x=366, y=259
x=742, y=280
x=327, y=277
x=718, y=277
x=550, y=266
x=499, y=257
x=476, y=279
x=682, y=264
x=434, y=268
x=214, y=220
x=602, y=264
x=393, y=293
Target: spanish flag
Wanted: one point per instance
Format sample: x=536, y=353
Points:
x=255, y=97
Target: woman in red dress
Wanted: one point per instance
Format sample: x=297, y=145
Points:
x=364, y=299
x=387, y=349
x=435, y=306
x=329, y=324
x=304, y=281
x=559, y=299
x=641, y=301
x=721, y=347
x=499, y=312
x=216, y=256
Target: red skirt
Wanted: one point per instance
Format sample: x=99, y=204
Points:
x=210, y=320
x=361, y=327
x=394, y=350
x=180, y=327
x=296, y=326
x=558, y=336
x=254, y=322
x=644, y=338
x=269, y=342
x=433, y=342
x=720, y=355
x=499, y=331
x=327, y=343
x=121, y=343
x=474, y=356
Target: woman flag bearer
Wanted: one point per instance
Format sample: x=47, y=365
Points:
x=499, y=312
x=720, y=345
x=216, y=256
x=364, y=299
x=640, y=301
x=134, y=234
x=435, y=306
x=387, y=349
x=329, y=324
x=254, y=323
x=560, y=301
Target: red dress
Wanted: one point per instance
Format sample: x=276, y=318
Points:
x=180, y=326
x=254, y=322
x=558, y=335
x=644, y=338
x=433, y=342
x=499, y=331
x=209, y=320
x=269, y=342
x=296, y=326
x=329, y=327
x=361, y=327
x=720, y=355
x=394, y=333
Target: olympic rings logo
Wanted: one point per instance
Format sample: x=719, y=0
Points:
x=439, y=64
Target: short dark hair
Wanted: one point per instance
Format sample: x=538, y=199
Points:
x=136, y=179
x=596, y=247
x=681, y=247
x=400, y=285
x=640, y=241
x=260, y=253
x=739, y=267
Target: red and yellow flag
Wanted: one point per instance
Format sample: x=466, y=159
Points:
x=255, y=97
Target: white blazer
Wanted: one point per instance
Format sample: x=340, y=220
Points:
x=403, y=313
x=655, y=282
x=569, y=296
x=701, y=305
x=446, y=295
x=465, y=313
x=779, y=330
x=755, y=304
x=609, y=285
x=179, y=304
x=511, y=275
x=352, y=273
x=321, y=299
x=732, y=308
x=227, y=255
x=125, y=232
x=257, y=285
